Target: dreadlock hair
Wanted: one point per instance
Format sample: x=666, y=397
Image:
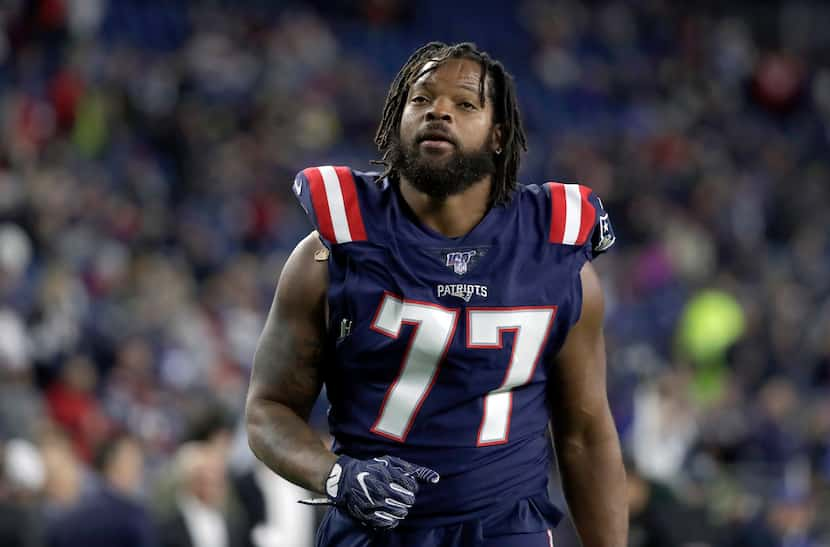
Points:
x=505, y=110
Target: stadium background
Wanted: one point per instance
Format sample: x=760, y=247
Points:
x=146, y=154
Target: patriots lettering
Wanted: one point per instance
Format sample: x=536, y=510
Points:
x=465, y=291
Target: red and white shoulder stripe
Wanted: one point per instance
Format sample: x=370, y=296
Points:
x=336, y=206
x=572, y=213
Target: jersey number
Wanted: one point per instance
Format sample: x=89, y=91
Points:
x=433, y=330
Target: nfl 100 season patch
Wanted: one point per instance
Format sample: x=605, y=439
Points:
x=460, y=261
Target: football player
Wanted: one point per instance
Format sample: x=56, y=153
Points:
x=452, y=314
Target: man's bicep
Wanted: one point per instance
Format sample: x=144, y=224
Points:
x=578, y=387
x=292, y=345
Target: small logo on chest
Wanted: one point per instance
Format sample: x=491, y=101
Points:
x=458, y=260
x=461, y=261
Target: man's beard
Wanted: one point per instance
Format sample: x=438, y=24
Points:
x=442, y=178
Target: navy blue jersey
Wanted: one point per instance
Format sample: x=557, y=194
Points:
x=443, y=346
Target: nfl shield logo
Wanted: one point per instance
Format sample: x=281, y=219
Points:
x=459, y=260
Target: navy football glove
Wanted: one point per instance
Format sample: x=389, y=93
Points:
x=377, y=492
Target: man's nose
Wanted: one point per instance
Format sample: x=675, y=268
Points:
x=439, y=110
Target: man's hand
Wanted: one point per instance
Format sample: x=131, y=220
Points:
x=377, y=492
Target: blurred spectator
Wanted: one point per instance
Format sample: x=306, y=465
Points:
x=776, y=438
x=134, y=399
x=74, y=406
x=21, y=484
x=21, y=405
x=789, y=522
x=112, y=514
x=201, y=516
x=665, y=426
x=269, y=502
x=659, y=518
x=58, y=315
x=64, y=473
x=15, y=258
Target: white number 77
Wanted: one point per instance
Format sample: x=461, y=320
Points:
x=433, y=331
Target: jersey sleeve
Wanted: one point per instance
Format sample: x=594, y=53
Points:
x=329, y=197
x=578, y=218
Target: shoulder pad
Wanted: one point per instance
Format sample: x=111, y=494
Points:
x=330, y=199
x=578, y=218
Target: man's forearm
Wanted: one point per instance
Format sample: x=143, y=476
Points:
x=284, y=442
x=593, y=477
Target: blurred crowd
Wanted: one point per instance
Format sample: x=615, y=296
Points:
x=146, y=154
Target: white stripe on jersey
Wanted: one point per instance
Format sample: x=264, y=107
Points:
x=573, y=213
x=337, y=208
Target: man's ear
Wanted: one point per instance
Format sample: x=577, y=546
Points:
x=496, y=139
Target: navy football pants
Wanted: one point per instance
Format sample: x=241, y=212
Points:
x=340, y=530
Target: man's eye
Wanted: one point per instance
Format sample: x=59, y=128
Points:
x=419, y=99
x=468, y=105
